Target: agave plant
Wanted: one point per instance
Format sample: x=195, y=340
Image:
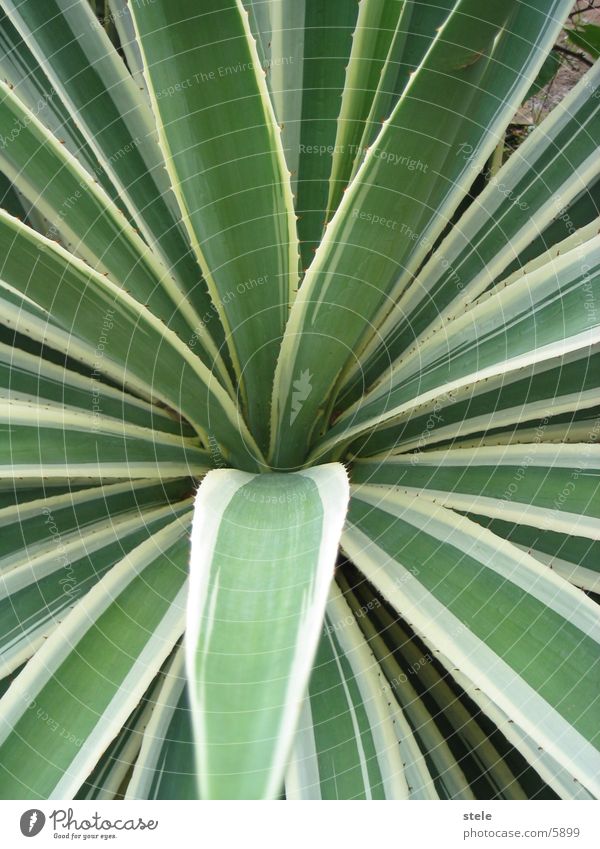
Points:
x=272, y=318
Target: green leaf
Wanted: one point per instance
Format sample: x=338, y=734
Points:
x=165, y=768
x=27, y=377
x=223, y=152
x=119, y=633
x=94, y=85
x=548, y=71
x=567, y=429
x=113, y=768
x=445, y=343
x=553, y=487
x=543, y=316
x=442, y=761
x=371, y=40
x=279, y=29
x=574, y=558
x=493, y=767
x=345, y=290
x=417, y=26
x=352, y=743
x=530, y=395
x=587, y=37
x=120, y=16
x=552, y=167
x=521, y=633
x=90, y=225
x=44, y=579
x=45, y=443
x=547, y=768
x=29, y=528
x=263, y=554
x=107, y=329
x=578, y=213
x=310, y=44
x=21, y=70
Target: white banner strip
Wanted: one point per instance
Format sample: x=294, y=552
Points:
x=295, y=824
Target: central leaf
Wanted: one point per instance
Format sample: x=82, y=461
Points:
x=263, y=554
